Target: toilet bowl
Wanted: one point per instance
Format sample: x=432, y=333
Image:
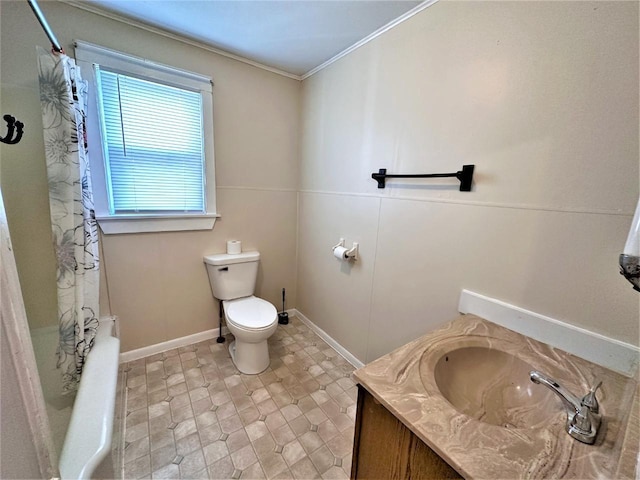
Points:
x=252, y=321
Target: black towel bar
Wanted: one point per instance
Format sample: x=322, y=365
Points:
x=465, y=176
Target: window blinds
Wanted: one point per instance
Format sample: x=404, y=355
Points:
x=154, y=145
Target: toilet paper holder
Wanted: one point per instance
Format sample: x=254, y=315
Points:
x=350, y=254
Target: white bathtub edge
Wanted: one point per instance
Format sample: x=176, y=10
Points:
x=88, y=439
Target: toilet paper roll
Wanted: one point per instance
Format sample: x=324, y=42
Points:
x=234, y=247
x=340, y=252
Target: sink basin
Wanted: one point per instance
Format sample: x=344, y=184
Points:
x=464, y=390
x=494, y=387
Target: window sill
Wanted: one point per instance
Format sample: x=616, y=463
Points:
x=155, y=223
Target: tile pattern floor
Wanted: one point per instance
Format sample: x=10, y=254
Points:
x=191, y=414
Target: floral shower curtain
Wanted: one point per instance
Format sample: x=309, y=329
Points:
x=63, y=98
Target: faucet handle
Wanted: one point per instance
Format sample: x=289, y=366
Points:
x=590, y=400
x=581, y=419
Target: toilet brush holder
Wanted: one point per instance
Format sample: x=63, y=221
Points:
x=283, y=317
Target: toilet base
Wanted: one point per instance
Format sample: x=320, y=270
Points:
x=250, y=358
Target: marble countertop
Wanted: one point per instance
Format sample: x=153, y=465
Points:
x=404, y=382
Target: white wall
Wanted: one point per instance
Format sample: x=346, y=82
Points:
x=18, y=456
x=543, y=98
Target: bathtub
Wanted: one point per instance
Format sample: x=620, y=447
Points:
x=87, y=449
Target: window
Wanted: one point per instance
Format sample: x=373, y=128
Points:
x=154, y=124
x=153, y=150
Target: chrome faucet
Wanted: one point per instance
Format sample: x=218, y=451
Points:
x=582, y=414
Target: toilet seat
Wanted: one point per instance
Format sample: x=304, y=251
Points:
x=250, y=313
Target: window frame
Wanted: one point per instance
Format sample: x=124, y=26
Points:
x=87, y=57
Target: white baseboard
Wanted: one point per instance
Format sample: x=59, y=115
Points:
x=608, y=352
x=348, y=356
x=139, y=353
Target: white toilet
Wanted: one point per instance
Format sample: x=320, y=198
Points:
x=252, y=320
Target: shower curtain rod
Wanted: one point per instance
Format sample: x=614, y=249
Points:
x=55, y=45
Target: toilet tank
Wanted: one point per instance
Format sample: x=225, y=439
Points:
x=232, y=276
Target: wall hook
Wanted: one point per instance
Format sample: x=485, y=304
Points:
x=14, y=130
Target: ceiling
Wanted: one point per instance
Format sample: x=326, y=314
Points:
x=293, y=36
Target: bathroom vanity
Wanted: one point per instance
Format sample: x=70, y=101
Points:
x=459, y=402
x=385, y=448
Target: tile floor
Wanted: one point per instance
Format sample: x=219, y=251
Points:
x=191, y=414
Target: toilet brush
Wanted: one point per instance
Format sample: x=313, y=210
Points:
x=283, y=317
x=220, y=338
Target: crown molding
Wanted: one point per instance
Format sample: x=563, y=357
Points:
x=165, y=33
x=417, y=9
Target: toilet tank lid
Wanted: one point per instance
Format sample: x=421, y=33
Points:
x=228, y=259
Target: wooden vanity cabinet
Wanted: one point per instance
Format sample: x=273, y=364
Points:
x=384, y=448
